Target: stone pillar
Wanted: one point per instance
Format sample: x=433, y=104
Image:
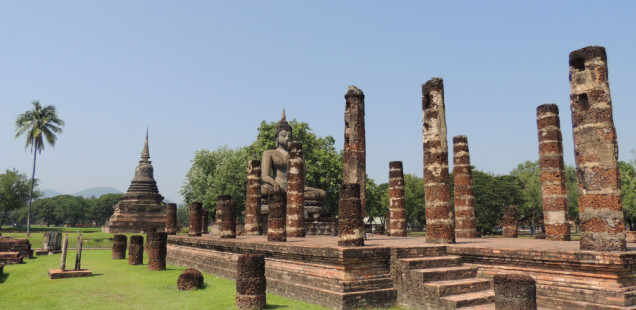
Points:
x=350, y=220
x=397, y=203
x=465, y=222
x=515, y=291
x=119, y=246
x=136, y=250
x=253, y=199
x=171, y=219
x=596, y=152
x=205, y=220
x=228, y=219
x=194, y=221
x=295, y=191
x=510, y=222
x=354, y=158
x=554, y=191
x=250, y=282
x=157, y=250
x=440, y=219
x=277, y=216
x=220, y=200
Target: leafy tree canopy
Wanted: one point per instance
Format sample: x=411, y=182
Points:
x=14, y=192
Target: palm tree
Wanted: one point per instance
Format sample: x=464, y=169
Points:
x=37, y=124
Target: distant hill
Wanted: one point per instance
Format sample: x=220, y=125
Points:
x=48, y=193
x=97, y=192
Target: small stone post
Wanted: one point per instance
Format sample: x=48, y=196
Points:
x=64, y=247
x=157, y=250
x=295, y=191
x=250, y=282
x=354, y=158
x=171, y=219
x=596, y=152
x=119, y=246
x=276, y=217
x=78, y=255
x=440, y=218
x=136, y=250
x=253, y=199
x=205, y=215
x=228, y=219
x=350, y=220
x=510, y=222
x=553, y=182
x=194, y=221
x=220, y=200
x=515, y=291
x=397, y=203
x=465, y=222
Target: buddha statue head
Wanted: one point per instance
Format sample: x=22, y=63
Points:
x=283, y=133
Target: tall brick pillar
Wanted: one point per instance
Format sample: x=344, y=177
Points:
x=295, y=191
x=171, y=219
x=553, y=182
x=220, y=201
x=354, y=158
x=350, y=220
x=440, y=219
x=596, y=152
x=250, y=282
x=194, y=220
x=228, y=219
x=276, y=217
x=205, y=220
x=397, y=203
x=253, y=199
x=465, y=222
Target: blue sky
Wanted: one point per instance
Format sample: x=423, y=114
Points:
x=201, y=74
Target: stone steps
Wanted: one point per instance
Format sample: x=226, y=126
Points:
x=456, y=287
x=432, y=261
x=465, y=300
x=443, y=273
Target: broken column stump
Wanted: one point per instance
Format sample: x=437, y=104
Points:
x=228, y=219
x=350, y=220
x=596, y=152
x=397, y=203
x=354, y=157
x=253, y=199
x=510, y=226
x=119, y=246
x=515, y=291
x=190, y=279
x=220, y=200
x=440, y=217
x=157, y=250
x=171, y=219
x=465, y=222
x=194, y=220
x=295, y=191
x=136, y=250
x=205, y=221
x=277, y=217
x=251, y=282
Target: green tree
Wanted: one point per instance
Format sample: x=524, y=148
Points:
x=628, y=190
x=374, y=199
x=530, y=211
x=492, y=194
x=70, y=209
x=38, y=124
x=414, y=200
x=100, y=209
x=573, y=193
x=14, y=192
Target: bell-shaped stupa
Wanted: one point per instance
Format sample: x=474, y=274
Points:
x=142, y=208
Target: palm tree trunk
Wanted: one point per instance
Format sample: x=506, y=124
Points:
x=35, y=153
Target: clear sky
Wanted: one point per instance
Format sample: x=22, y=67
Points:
x=201, y=74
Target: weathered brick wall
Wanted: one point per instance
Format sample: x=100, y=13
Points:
x=23, y=246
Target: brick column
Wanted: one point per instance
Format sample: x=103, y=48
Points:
x=205, y=220
x=515, y=291
x=171, y=219
x=354, y=158
x=553, y=182
x=465, y=222
x=157, y=250
x=250, y=282
x=276, y=217
x=596, y=152
x=397, y=203
x=295, y=191
x=253, y=199
x=220, y=200
x=194, y=221
x=119, y=246
x=228, y=219
x=350, y=220
x=440, y=219
x=136, y=250
x=510, y=228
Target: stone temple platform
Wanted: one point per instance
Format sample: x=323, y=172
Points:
x=408, y=272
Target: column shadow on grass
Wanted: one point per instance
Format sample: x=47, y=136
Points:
x=275, y=307
x=3, y=277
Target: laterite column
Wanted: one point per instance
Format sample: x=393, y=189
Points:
x=277, y=216
x=220, y=200
x=253, y=199
x=354, y=158
x=228, y=219
x=554, y=191
x=157, y=250
x=171, y=219
x=510, y=226
x=440, y=219
x=596, y=152
x=295, y=191
x=136, y=250
x=205, y=220
x=250, y=282
x=194, y=221
x=350, y=220
x=119, y=246
x=397, y=203
x=515, y=291
x=465, y=222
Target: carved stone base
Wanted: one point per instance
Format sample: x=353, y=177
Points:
x=133, y=217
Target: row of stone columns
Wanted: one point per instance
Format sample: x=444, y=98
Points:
x=156, y=247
